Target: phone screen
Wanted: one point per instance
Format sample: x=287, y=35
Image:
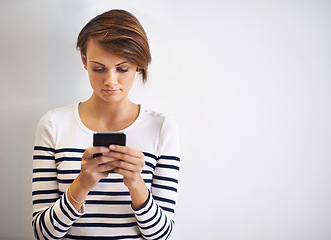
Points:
x=106, y=139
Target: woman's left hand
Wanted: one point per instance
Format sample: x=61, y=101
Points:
x=129, y=164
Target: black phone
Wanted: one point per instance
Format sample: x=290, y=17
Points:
x=106, y=138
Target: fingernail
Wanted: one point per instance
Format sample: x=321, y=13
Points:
x=112, y=147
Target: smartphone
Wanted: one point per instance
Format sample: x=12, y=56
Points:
x=107, y=138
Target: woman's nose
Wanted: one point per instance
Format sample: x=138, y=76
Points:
x=111, y=79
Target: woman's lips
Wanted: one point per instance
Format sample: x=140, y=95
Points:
x=111, y=91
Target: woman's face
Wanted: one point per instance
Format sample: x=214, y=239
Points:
x=111, y=76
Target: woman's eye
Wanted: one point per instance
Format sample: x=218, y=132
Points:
x=98, y=70
x=122, y=69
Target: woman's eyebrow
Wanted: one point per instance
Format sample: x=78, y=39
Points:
x=105, y=65
x=98, y=63
x=121, y=63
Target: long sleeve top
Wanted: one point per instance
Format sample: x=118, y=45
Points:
x=61, y=140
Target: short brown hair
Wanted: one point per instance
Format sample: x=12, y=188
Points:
x=119, y=32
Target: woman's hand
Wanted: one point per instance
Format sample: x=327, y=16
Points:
x=123, y=160
x=129, y=163
x=93, y=169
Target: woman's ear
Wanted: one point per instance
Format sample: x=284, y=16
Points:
x=84, y=60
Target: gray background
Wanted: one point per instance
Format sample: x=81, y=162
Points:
x=249, y=83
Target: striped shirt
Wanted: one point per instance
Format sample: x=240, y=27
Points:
x=61, y=140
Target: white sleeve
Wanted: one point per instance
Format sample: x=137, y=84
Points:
x=53, y=215
x=156, y=218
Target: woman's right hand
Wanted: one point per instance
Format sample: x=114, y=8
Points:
x=93, y=169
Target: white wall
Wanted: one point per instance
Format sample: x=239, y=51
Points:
x=249, y=83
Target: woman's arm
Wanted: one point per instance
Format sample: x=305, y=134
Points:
x=129, y=164
x=53, y=214
x=156, y=217
x=93, y=169
x=154, y=210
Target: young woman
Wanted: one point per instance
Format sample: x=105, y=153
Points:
x=127, y=192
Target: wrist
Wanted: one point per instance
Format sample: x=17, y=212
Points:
x=72, y=198
x=139, y=194
x=137, y=207
x=81, y=184
x=77, y=194
x=136, y=184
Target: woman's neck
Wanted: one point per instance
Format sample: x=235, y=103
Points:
x=101, y=116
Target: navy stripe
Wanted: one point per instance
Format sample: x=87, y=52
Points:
x=105, y=202
x=70, y=209
x=60, y=222
x=34, y=224
x=35, y=230
x=150, y=155
x=40, y=227
x=46, y=229
x=165, y=179
x=151, y=218
x=164, y=200
x=69, y=159
x=168, y=209
x=167, y=166
x=103, y=215
x=151, y=165
x=152, y=203
x=41, y=223
x=104, y=180
x=48, y=200
x=59, y=229
x=166, y=232
x=65, y=181
x=50, y=215
x=65, y=212
x=153, y=234
x=48, y=149
x=42, y=179
x=51, y=212
x=44, y=170
x=105, y=225
x=147, y=172
x=111, y=180
x=60, y=150
x=171, y=225
x=148, y=180
x=99, y=193
x=73, y=171
x=169, y=157
x=44, y=225
x=142, y=172
x=164, y=187
x=106, y=238
x=42, y=157
x=154, y=224
x=45, y=192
